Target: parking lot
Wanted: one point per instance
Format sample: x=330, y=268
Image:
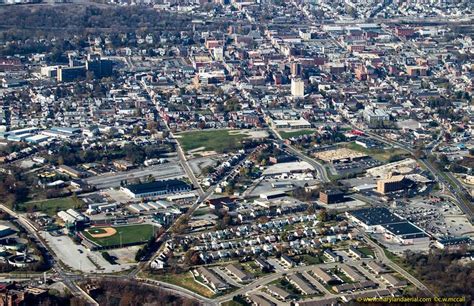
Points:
x=77, y=257
x=355, y=166
x=437, y=218
x=159, y=172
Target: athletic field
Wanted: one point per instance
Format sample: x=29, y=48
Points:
x=124, y=235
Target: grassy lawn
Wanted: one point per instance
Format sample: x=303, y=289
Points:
x=184, y=280
x=286, y=135
x=213, y=140
x=379, y=154
x=399, y=261
x=51, y=206
x=368, y=252
x=252, y=268
x=310, y=260
x=201, y=212
x=130, y=234
x=344, y=277
x=391, y=256
x=232, y=303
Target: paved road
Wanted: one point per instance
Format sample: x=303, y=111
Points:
x=70, y=283
x=268, y=279
x=454, y=187
x=257, y=284
x=320, y=169
x=322, y=173
x=179, y=291
x=380, y=254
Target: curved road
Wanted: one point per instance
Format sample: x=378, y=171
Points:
x=320, y=169
x=454, y=186
x=380, y=254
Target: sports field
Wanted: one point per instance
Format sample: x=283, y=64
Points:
x=123, y=235
x=211, y=140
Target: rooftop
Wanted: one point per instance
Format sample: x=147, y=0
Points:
x=375, y=216
x=156, y=186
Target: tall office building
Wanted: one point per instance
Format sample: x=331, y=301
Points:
x=99, y=67
x=297, y=88
x=296, y=69
x=69, y=74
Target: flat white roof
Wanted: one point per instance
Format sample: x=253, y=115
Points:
x=288, y=168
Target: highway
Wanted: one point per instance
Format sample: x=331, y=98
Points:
x=455, y=188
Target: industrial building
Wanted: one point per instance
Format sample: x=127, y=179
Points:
x=454, y=243
x=148, y=206
x=6, y=231
x=331, y=196
x=101, y=207
x=157, y=188
x=381, y=220
x=73, y=218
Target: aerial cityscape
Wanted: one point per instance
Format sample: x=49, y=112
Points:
x=236, y=152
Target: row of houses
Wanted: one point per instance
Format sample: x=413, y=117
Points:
x=212, y=279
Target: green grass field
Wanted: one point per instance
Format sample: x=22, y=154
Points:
x=51, y=206
x=367, y=251
x=185, y=280
x=129, y=234
x=213, y=140
x=286, y=135
x=379, y=154
x=97, y=230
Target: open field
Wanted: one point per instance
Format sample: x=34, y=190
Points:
x=184, y=280
x=128, y=234
x=289, y=134
x=379, y=154
x=213, y=140
x=232, y=303
x=51, y=206
x=367, y=251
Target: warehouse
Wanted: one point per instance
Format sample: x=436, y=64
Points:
x=369, y=218
x=157, y=188
x=405, y=232
x=6, y=231
x=381, y=220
